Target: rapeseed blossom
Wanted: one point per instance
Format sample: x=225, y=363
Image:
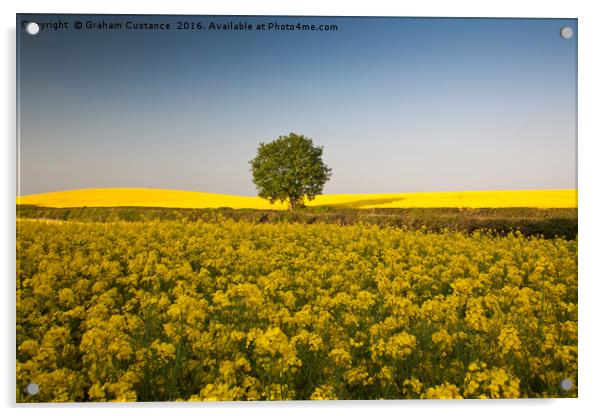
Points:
x=167, y=310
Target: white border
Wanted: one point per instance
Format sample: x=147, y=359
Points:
x=590, y=347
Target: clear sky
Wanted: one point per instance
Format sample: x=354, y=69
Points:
x=399, y=104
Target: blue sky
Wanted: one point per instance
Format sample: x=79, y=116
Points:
x=399, y=104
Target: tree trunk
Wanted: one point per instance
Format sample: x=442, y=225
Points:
x=292, y=204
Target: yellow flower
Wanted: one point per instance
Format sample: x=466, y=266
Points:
x=164, y=350
x=442, y=338
x=510, y=341
x=340, y=357
x=323, y=392
x=413, y=384
x=66, y=297
x=443, y=391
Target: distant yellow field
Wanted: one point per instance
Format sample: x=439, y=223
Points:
x=111, y=197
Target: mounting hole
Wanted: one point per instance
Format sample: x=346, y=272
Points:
x=566, y=32
x=32, y=389
x=32, y=28
x=566, y=384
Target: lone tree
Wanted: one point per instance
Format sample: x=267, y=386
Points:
x=289, y=168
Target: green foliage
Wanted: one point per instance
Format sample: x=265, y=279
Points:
x=289, y=169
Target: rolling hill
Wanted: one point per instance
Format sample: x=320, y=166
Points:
x=143, y=197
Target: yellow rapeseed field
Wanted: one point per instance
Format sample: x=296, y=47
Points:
x=178, y=310
x=110, y=197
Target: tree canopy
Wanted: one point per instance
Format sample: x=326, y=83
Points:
x=291, y=169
